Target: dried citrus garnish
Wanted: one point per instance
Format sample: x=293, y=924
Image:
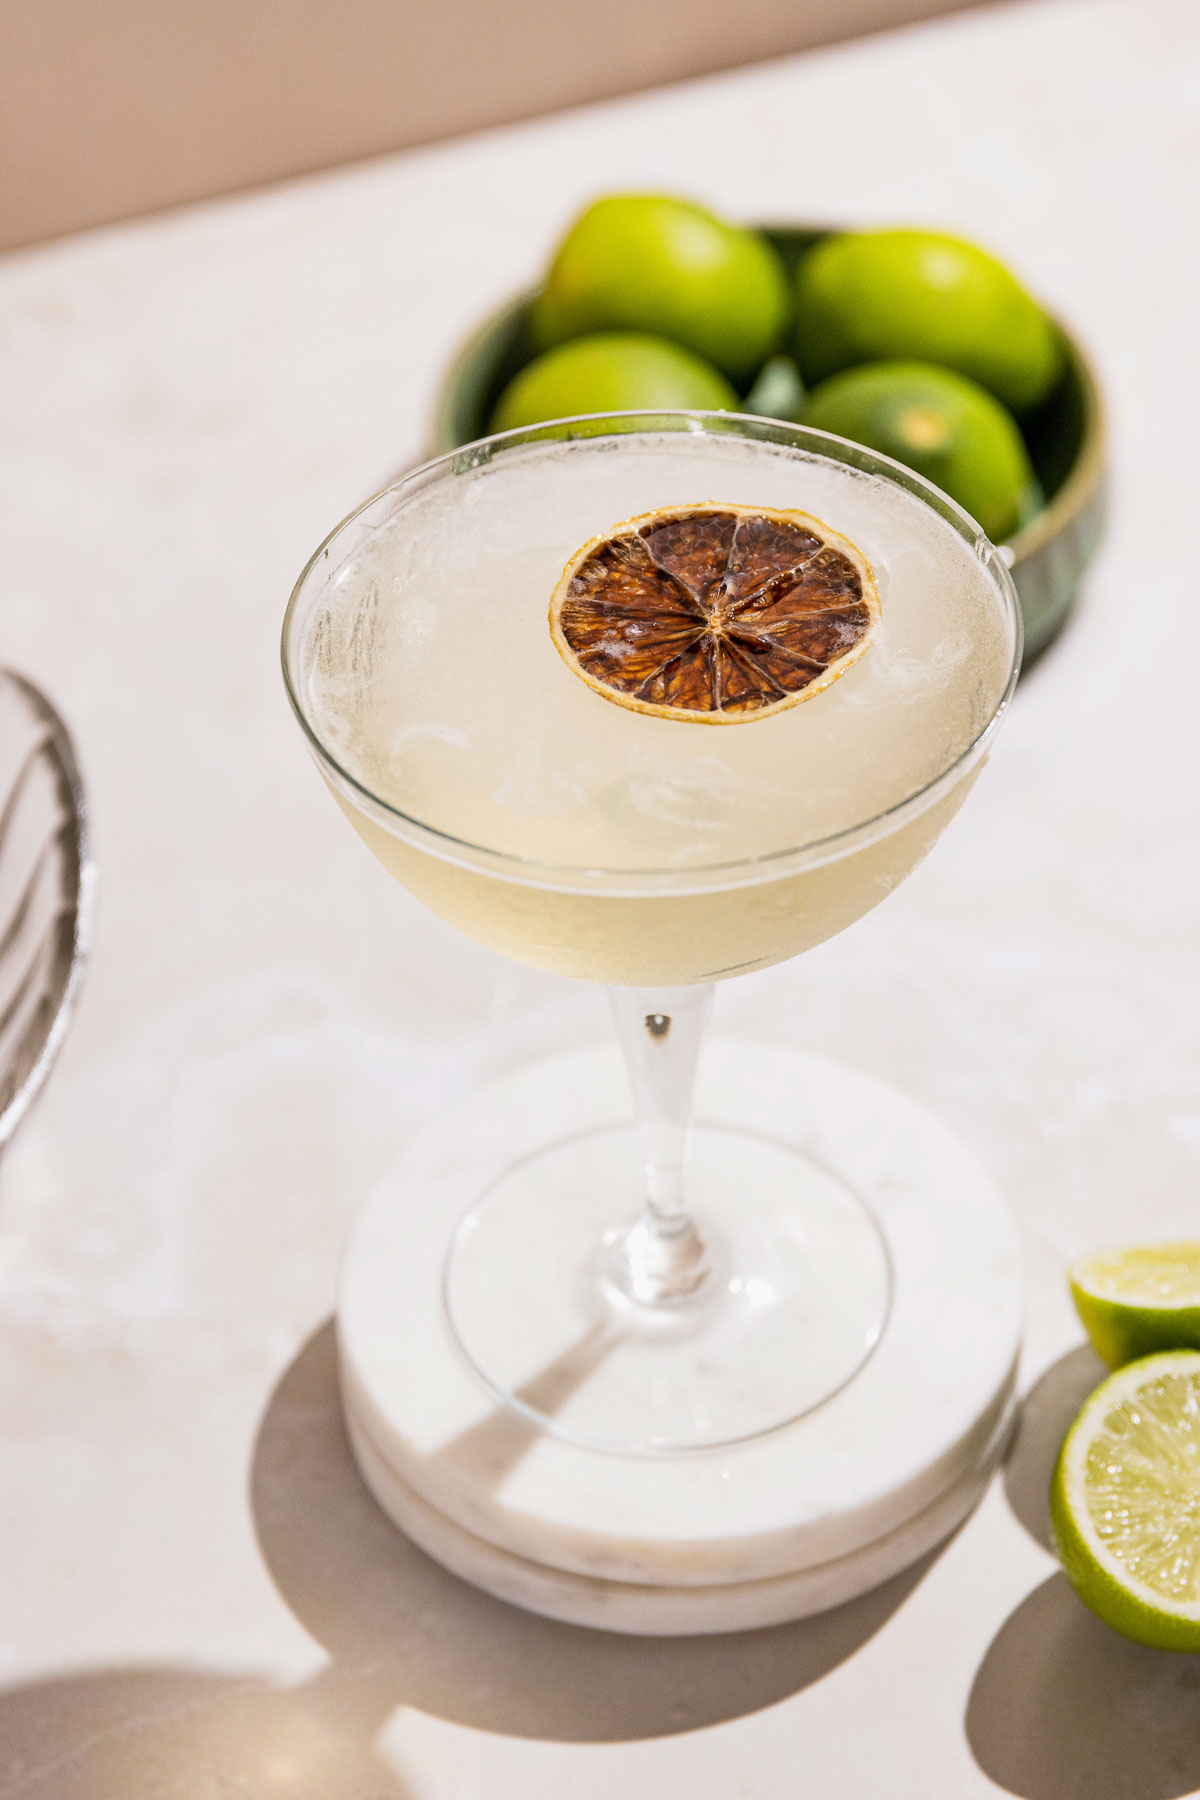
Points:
x=714, y=614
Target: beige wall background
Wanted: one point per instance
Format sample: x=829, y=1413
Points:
x=110, y=108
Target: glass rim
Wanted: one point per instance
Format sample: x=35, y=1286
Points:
x=673, y=878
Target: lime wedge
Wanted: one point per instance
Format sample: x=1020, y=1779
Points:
x=1125, y=1501
x=1134, y=1302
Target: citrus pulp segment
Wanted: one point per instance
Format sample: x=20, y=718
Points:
x=1125, y=1501
x=714, y=614
x=1134, y=1302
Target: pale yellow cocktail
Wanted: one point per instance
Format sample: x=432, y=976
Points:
x=595, y=841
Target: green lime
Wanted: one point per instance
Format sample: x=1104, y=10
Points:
x=611, y=372
x=943, y=426
x=1133, y=1302
x=1125, y=1500
x=645, y=262
x=871, y=296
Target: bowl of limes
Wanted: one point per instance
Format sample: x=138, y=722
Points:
x=915, y=343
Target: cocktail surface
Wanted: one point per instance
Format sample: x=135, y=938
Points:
x=430, y=673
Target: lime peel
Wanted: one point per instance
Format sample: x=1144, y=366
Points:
x=611, y=371
x=945, y=426
x=659, y=264
x=879, y=296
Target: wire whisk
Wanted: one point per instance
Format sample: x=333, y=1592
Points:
x=46, y=887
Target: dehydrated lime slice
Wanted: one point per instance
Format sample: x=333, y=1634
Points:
x=714, y=614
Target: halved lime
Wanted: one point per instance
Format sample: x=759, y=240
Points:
x=1125, y=1501
x=1134, y=1302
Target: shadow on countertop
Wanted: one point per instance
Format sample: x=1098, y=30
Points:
x=1061, y=1707
x=399, y=1631
x=423, y=1638
x=183, y=1734
x=1064, y=1709
x=1046, y=1412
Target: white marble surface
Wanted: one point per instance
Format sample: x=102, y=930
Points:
x=915, y=1419
x=647, y=1609
x=196, y=1599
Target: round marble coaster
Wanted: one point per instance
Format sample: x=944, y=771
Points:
x=644, y=1610
x=841, y=1491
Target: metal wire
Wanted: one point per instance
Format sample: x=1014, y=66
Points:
x=47, y=880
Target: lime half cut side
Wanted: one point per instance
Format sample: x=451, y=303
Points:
x=1134, y=1302
x=1125, y=1501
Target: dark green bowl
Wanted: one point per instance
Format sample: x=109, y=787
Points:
x=1065, y=436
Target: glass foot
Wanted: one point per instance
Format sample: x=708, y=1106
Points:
x=792, y=1297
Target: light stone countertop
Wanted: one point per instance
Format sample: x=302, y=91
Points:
x=196, y=1598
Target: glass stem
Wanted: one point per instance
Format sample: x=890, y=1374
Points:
x=662, y=1258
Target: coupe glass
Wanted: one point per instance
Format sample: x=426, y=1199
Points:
x=647, y=1287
